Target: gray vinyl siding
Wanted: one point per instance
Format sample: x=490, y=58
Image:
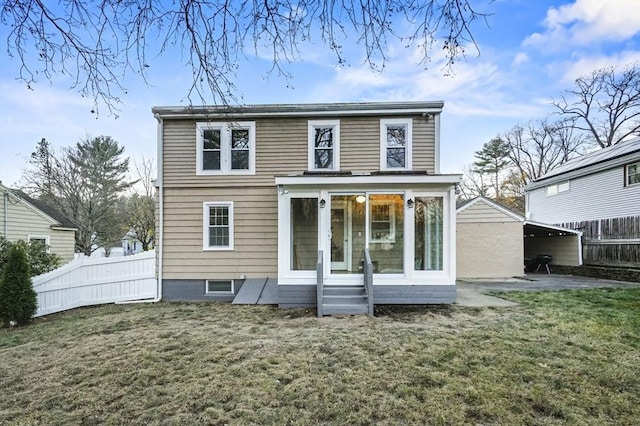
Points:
x=282, y=149
x=483, y=213
x=255, y=233
x=596, y=196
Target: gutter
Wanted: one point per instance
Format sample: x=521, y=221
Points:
x=160, y=236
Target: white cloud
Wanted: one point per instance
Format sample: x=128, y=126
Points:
x=587, y=21
x=586, y=65
x=64, y=118
x=520, y=58
x=477, y=88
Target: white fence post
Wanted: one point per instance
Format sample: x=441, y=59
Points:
x=86, y=281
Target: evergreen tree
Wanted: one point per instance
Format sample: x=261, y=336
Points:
x=84, y=183
x=18, y=300
x=492, y=159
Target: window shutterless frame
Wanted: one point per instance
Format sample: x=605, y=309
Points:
x=217, y=225
x=219, y=287
x=396, y=139
x=324, y=145
x=632, y=174
x=226, y=148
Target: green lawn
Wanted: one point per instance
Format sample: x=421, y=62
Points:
x=569, y=357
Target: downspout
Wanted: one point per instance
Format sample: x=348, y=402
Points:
x=436, y=170
x=6, y=214
x=160, y=236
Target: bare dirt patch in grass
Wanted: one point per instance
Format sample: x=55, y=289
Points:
x=561, y=357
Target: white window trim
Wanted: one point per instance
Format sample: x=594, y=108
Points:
x=312, y=125
x=627, y=176
x=225, y=147
x=206, y=287
x=46, y=238
x=383, y=142
x=205, y=225
x=556, y=188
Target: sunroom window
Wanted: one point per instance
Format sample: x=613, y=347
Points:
x=386, y=236
x=304, y=233
x=429, y=234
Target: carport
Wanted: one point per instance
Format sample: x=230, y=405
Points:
x=564, y=245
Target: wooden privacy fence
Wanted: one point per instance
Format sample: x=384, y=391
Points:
x=610, y=242
x=87, y=281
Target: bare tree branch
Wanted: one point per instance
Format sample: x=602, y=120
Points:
x=540, y=146
x=605, y=105
x=98, y=43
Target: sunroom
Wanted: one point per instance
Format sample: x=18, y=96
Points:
x=329, y=225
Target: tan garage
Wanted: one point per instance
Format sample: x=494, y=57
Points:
x=489, y=240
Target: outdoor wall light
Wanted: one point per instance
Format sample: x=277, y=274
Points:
x=281, y=190
x=360, y=199
x=322, y=203
x=410, y=203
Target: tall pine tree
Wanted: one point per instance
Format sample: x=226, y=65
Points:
x=492, y=159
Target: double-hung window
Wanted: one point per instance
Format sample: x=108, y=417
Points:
x=225, y=148
x=218, y=226
x=324, y=145
x=395, y=144
x=632, y=174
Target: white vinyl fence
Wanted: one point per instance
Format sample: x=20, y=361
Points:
x=89, y=281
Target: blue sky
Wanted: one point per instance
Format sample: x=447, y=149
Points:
x=530, y=53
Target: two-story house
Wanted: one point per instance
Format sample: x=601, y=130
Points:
x=305, y=195
x=598, y=194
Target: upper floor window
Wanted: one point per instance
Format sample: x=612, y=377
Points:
x=226, y=148
x=395, y=144
x=632, y=174
x=218, y=226
x=557, y=188
x=324, y=145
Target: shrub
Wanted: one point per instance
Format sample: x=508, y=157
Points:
x=39, y=259
x=18, y=300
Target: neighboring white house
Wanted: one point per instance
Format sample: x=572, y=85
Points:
x=598, y=194
x=131, y=244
